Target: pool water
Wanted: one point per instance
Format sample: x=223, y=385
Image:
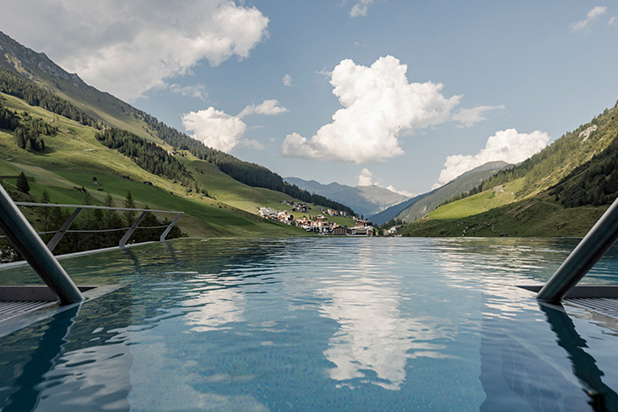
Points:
x=316, y=324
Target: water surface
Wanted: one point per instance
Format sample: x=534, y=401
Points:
x=315, y=324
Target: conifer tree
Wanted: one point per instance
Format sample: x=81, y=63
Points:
x=22, y=183
x=129, y=216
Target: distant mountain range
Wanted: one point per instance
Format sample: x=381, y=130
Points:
x=364, y=200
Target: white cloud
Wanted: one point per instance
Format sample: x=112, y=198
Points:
x=128, y=48
x=507, y=145
x=364, y=179
x=401, y=192
x=591, y=17
x=611, y=21
x=287, y=80
x=224, y=132
x=215, y=128
x=197, y=91
x=468, y=117
x=267, y=107
x=252, y=144
x=360, y=8
x=379, y=104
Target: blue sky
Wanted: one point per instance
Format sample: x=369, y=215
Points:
x=403, y=94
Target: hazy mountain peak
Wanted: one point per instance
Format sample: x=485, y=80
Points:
x=365, y=200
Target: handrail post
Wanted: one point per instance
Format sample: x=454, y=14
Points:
x=127, y=235
x=169, y=227
x=21, y=234
x=592, y=247
x=63, y=229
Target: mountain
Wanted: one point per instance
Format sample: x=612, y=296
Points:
x=63, y=133
x=393, y=211
x=365, y=200
x=43, y=72
x=560, y=191
x=416, y=208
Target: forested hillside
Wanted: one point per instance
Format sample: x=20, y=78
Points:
x=16, y=85
x=560, y=191
x=147, y=155
x=246, y=172
x=593, y=183
x=36, y=79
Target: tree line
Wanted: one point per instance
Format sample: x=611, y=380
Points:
x=27, y=130
x=593, y=183
x=148, y=156
x=15, y=85
x=248, y=173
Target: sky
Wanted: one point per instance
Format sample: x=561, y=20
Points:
x=402, y=94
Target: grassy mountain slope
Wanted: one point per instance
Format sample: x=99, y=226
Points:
x=110, y=111
x=38, y=68
x=73, y=157
x=560, y=191
x=536, y=216
x=428, y=202
x=215, y=203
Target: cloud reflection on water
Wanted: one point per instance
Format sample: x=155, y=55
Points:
x=374, y=335
x=214, y=305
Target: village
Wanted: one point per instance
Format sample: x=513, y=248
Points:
x=320, y=223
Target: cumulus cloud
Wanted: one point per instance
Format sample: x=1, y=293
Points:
x=267, y=107
x=287, y=80
x=379, y=104
x=611, y=21
x=360, y=8
x=215, y=128
x=401, y=192
x=365, y=177
x=507, y=145
x=224, y=132
x=128, y=48
x=197, y=91
x=591, y=17
x=467, y=117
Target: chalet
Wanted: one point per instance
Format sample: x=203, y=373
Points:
x=363, y=223
x=268, y=213
x=303, y=222
x=285, y=217
x=340, y=231
x=392, y=231
x=363, y=231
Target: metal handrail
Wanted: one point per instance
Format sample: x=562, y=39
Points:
x=78, y=208
x=21, y=234
x=93, y=207
x=588, y=252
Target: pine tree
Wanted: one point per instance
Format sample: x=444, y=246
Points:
x=22, y=183
x=129, y=216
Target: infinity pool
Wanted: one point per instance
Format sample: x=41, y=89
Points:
x=316, y=324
